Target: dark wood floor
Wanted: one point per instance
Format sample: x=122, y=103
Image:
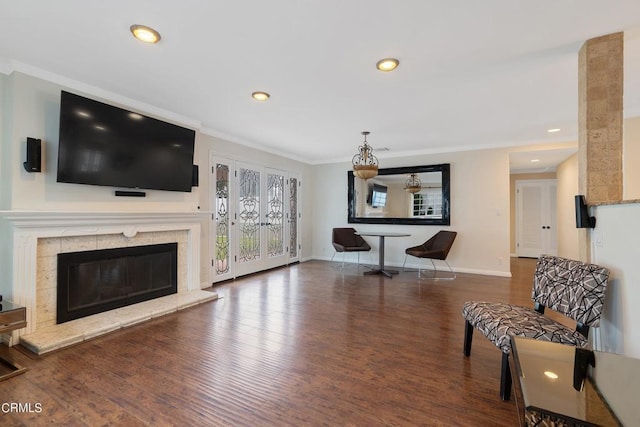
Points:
x=303, y=345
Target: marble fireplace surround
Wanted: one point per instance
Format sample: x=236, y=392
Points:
x=36, y=237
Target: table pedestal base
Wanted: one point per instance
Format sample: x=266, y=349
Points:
x=388, y=273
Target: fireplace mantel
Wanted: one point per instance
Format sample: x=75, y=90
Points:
x=22, y=229
x=31, y=219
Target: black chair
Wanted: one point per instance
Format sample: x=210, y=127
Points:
x=573, y=288
x=346, y=240
x=437, y=247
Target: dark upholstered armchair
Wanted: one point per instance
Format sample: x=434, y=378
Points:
x=437, y=247
x=346, y=240
x=572, y=288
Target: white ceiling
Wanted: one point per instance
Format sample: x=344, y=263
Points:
x=471, y=75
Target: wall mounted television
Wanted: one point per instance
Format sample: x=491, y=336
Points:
x=105, y=145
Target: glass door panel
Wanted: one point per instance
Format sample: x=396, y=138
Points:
x=255, y=219
x=221, y=246
x=293, y=219
x=249, y=224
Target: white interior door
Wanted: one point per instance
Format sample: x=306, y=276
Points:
x=536, y=231
x=255, y=221
x=261, y=219
x=222, y=219
x=293, y=218
x=275, y=219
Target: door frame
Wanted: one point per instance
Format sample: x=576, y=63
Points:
x=287, y=257
x=551, y=249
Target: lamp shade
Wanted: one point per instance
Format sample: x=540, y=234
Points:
x=365, y=164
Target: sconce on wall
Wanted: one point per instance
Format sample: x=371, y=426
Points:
x=365, y=164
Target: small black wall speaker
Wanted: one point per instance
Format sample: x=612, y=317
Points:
x=583, y=220
x=34, y=155
x=194, y=176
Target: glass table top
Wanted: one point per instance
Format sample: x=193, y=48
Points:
x=6, y=306
x=577, y=384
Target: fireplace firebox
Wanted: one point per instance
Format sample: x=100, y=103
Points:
x=91, y=282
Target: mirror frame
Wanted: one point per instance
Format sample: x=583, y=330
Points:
x=446, y=197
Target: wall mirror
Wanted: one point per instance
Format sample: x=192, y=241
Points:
x=415, y=195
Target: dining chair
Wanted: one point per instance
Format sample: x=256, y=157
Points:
x=437, y=247
x=344, y=240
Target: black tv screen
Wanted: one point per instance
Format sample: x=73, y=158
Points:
x=379, y=196
x=105, y=145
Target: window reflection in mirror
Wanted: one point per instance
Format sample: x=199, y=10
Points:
x=386, y=199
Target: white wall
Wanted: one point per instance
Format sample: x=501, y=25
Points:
x=615, y=245
x=35, y=106
x=207, y=145
x=631, y=158
x=567, y=181
x=31, y=108
x=479, y=211
x=5, y=181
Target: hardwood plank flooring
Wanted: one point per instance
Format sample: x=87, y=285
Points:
x=302, y=345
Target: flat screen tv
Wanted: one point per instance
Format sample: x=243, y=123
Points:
x=105, y=145
x=378, y=196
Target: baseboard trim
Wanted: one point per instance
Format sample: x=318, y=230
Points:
x=456, y=269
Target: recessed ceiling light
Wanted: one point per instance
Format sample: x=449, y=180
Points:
x=260, y=96
x=387, y=64
x=553, y=130
x=534, y=160
x=145, y=34
x=551, y=375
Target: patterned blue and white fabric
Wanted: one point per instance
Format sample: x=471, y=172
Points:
x=573, y=288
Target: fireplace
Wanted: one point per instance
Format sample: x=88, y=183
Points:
x=35, y=239
x=95, y=281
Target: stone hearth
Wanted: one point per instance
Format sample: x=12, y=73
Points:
x=37, y=237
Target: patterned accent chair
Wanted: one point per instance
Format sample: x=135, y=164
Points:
x=573, y=288
x=346, y=240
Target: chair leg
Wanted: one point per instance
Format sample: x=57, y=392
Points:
x=337, y=267
x=468, y=337
x=405, y=261
x=505, y=378
x=435, y=272
x=453, y=273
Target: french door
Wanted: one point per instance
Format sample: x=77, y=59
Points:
x=536, y=231
x=256, y=218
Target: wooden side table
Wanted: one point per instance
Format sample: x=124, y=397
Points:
x=12, y=317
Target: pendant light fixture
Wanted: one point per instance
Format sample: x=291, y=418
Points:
x=365, y=164
x=413, y=184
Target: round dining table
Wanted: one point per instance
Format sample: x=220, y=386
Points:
x=381, y=235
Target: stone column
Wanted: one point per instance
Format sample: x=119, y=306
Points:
x=600, y=89
x=600, y=81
